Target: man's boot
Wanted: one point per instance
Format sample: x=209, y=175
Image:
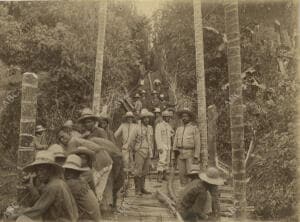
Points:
x=137, y=184
x=143, y=190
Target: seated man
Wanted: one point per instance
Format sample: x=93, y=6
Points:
x=56, y=202
x=193, y=201
x=88, y=207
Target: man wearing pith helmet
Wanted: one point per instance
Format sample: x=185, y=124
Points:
x=55, y=203
x=163, y=135
x=186, y=145
x=141, y=141
x=200, y=196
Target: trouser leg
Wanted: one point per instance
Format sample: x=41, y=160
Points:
x=139, y=168
x=146, y=167
x=182, y=171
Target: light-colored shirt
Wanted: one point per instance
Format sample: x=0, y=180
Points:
x=187, y=139
x=163, y=135
x=141, y=140
x=124, y=130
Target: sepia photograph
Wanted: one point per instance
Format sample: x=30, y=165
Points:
x=149, y=110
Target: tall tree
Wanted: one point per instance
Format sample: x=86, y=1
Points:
x=99, y=56
x=200, y=76
x=236, y=106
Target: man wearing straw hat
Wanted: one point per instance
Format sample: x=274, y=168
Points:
x=186, y=145
x=58, y=153
x=56, y=202
x=141, y=141
x=88, y=207
x=200, y=196
x=88, y=120
x=39, y=141
x=163, y=135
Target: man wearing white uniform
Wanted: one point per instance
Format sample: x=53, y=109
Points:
x=163, y=135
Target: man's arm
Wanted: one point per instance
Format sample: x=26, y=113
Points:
x=157, y=137
x=119, y=131
x=131, y=139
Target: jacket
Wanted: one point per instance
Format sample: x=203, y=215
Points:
x=163, y=134
x=124, y=130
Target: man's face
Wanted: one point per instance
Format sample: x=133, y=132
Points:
x=129, y=119
x=84, y=160
x=89, y=124
x=167, y=118
x=71, y=174
x=146, y=121
x=42, y=173
x=103, y=124
x=185, y=118
x=64, y=137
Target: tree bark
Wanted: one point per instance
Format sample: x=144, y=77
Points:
x=26, y=152
x=99, y=55
x=236, y=106
x=212, y=115
x=200, y=76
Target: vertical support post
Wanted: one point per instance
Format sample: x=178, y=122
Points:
x=236, y=107
x=212, y=116
x=99, y=56
x=27, y=122
x=200, y=76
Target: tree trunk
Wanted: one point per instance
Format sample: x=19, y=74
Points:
x=212, y=116
x=26, y=152
x=200, y=75
x=236, y=106
x=99, y=55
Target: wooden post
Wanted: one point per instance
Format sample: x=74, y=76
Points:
x=200, y=76
x=27, y=122
x=99, y=57
x=212, y=116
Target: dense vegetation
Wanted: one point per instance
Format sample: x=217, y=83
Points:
x=57, y=40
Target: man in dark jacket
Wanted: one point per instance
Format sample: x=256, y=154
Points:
x=199, y=193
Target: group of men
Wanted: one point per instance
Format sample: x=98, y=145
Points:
x=81, y=175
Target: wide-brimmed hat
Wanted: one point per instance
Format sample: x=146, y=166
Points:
x=211, y=176
x=143, y=91
x=84, y=150
x=137, y=95
x=57, y=150
x=43, y=157
x=166, y=113
x=156, y=81
x=128, y=114
x=74, y=162
x=104, y=116
x=154, y=92
x=68, y=123
x=157, y=110
x=145, y=113
x=162, y=96
x=186, y=110
x=39, y=128
x=87, y=113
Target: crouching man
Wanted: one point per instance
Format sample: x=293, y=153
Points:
x=55, y=202
x=200, y=196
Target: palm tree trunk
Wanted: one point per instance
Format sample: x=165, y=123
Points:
x=200, y=75
x=99, y=55
x=236, y=106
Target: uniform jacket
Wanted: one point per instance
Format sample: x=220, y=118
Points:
x=187, y=141
x=124, y=130
x=141, y=140
x=163, y=134
x=56, y=203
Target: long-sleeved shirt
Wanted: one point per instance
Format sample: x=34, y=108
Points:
x=56, y=203
x=187, y=141
x=141, y=140
x=87, y=203
x=163, y=134
x=124, y=130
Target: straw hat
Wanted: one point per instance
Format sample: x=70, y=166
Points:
x=84, y=150
x=166, y=113
x=129, y=114
x=43, y=157
x=156, y=110
x=106, y=117
x=68, y=123
x=154, y=92
x=146, y=113
x=87, y=113
x=143, y=91
x=57, y=150
x=186, y=110
x=137, y=95
x=211, y=176
x=39, y=128
x=156, y=82
x=162, y=96
x=73, y=162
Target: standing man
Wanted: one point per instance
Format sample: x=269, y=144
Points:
x=141, y=141
x=39, y=141
x=186, y=145
x=163, y=135
x=104, y=123
x=88, y=121
x=137, y=103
